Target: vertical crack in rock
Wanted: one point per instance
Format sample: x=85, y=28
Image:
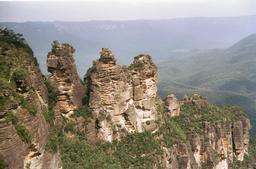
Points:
x=64, y=76
x=122, y=98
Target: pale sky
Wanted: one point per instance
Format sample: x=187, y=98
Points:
x=122, y=9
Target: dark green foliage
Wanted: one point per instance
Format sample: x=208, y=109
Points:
x=2, y=103
x=85, y=100
x=9, y=36
x=2, y=164
x=31, y=108
x=134, y=151
x=55, y=139
x=140, y=150
x=194, y=118
x=52, y=94
x=172, y=133
x=70, y=127
x=84, y=112
x=20, y=74
x=23, y=133
x=81, y=155
x=20, y=129
x=12, y=118
x=5, y=86
x=49, y=117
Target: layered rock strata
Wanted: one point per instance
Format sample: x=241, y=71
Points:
x=23, y=129
x=217, y=146
x=64, y=76
x=122, y=98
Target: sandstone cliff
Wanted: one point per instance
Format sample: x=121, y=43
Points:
x=23, y=95
x=64, y=77
x=216, y=147
x=121, y=98
x=141, y=131
x=219, y=141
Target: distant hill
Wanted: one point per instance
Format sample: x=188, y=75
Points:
x=161, y=38
x=226, y=76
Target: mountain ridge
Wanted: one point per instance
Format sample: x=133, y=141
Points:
x=161, y=38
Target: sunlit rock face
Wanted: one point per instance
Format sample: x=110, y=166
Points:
x=64, y=77
x=217, y=147
x=122, y=98
x=173, y=106
x=23, y=128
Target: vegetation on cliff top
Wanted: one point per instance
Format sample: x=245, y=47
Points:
x=141, y=150
x=15, y=57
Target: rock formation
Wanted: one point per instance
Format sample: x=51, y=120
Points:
x=122, y=98
x=195, y=99
x=191, y=134
x=23, y=129
x=216, y=148
x=64, y=77
x=172, y=105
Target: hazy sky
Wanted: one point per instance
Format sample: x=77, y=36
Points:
x=122, y=9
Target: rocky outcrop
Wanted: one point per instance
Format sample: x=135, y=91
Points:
x=122, y=98
x=23, y=129
x=216, y=147
x=196, y=100
x=173, y=106
x=64, y=77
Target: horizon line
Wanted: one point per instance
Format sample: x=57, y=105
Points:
x=139, y=19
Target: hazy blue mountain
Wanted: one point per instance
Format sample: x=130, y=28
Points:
x=226, y=76
x=160, y=38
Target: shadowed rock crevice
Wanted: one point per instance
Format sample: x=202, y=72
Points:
x=127, y=96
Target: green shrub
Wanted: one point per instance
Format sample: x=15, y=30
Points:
x=9, y=36
x=30, y=107
x=23, y=133
x=70, y=127
x=49, y=117
x=11, y=118
x=2, y=164
x=20, y=74
x=52, y=95
x=53, y=141
x=84, y=112
x=2, y=102
x=139, y=150
x=85, y=100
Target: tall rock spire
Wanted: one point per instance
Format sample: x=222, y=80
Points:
x=64, y=76
x=122, y=99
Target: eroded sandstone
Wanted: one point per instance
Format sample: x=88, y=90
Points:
x=64, y=76
x=122, y=98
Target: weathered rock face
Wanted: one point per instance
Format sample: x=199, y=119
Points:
x=195, y=99
x=122, y=98
x=23, y=129
x=172, y=105
x=64, y=77
x=217, y=147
